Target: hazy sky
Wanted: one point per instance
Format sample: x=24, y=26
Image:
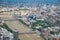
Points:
x=32, y=1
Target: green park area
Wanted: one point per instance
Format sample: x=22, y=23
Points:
x=43, y=24
x=20, y=20
x=5, y=26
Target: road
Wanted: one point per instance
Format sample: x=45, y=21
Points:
x=22, y=28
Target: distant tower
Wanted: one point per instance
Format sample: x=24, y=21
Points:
x=15, y=33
